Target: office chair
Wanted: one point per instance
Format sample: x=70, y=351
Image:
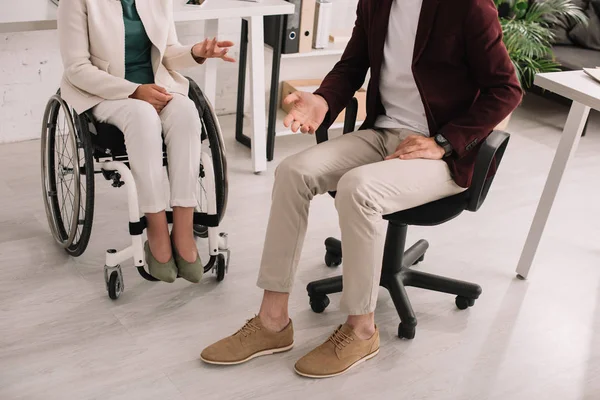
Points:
x=396, y=272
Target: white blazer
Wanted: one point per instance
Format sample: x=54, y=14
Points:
x=92, y=45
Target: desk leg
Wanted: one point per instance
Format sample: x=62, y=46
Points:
x=567, y=146
x=274, y=94
x=211, y=30
x=241, y=94
x=257, y=93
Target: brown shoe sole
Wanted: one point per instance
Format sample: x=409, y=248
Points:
x=362, y=360
x=255, y=355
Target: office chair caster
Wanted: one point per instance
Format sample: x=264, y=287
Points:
x=406, y=332
x=319, y=303
x=333, y=252
x=332, y=260
x=462, y=303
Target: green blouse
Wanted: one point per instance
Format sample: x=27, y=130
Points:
x=138, y=47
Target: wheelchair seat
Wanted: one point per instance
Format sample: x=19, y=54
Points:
x=108, y=140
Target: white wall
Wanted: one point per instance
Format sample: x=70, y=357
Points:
x=30, y=71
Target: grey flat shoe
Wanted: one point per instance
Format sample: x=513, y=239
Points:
x=166, y=272
x=190, y=271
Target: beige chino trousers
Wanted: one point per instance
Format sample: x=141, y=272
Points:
x=367, y=188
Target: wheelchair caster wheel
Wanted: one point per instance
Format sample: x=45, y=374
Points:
x=406, y=332
x=332, y=260
x=221, y=267
x=115, y=288
x=462, y=303
x=113, y=277
x=200, y=231
x=420, y=259
x=319, y=303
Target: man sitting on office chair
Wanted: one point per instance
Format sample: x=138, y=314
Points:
x=441, y=81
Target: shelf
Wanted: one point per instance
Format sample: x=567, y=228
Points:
x=336, y=49
x=281, y=130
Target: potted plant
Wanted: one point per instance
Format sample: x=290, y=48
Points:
x=528, y=33
x=527, y=26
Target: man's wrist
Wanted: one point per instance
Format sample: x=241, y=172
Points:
x=323, y=101
x=444, y=144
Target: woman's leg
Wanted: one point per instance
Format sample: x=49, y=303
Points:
x=142, y=129
x=182, y=130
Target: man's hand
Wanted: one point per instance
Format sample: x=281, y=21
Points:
x=153, y=94
x=213, y=49
x=308, y=112
x=417, y=146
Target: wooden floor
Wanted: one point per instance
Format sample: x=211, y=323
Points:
x=61, y=337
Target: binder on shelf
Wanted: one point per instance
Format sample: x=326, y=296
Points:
x=322, y=28
x=307, y=23
x=291, y=29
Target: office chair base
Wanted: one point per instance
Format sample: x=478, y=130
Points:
x=396, y=275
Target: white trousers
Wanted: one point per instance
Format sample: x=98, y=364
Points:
x=367, y=188
x=144, y=129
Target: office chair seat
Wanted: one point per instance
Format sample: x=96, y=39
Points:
x=434, y=213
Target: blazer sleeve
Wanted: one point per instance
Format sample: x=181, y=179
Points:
x=491, y=67
x=177, y=56
x=348, y=75
x=74, y=49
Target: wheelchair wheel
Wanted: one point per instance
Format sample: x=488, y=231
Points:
x=213, y=139
x=200, y=231
x=67, y=176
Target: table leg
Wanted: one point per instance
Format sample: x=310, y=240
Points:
x=257, y=93
x=274, y=94
x=211, y=30
x=241, y=94
x=567, y=146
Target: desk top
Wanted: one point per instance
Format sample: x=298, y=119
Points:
x=574, y=85
x=35, y=15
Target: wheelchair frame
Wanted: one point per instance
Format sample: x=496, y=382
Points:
x=112, y=162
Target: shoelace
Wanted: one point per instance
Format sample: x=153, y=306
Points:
x=340, y=339
x=248, y=329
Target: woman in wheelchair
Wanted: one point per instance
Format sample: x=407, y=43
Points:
x=120, y=60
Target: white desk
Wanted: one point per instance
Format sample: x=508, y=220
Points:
x=585, y=93
x=35, y=15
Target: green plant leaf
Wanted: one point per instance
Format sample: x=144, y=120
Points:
x=528, y=36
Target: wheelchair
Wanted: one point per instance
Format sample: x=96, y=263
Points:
x=76, y=147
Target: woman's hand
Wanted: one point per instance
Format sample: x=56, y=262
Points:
x=153, y=94
x=212, y=49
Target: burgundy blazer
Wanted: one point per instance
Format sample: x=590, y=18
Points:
x=465, y=77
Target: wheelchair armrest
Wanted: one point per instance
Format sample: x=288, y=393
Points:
x=322, y=134
x=492, y=150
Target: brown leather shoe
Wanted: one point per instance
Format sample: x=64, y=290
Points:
x=340, y=353
x=251, y=341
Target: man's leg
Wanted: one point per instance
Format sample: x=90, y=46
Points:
x=297, y=180
x=364, y=194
